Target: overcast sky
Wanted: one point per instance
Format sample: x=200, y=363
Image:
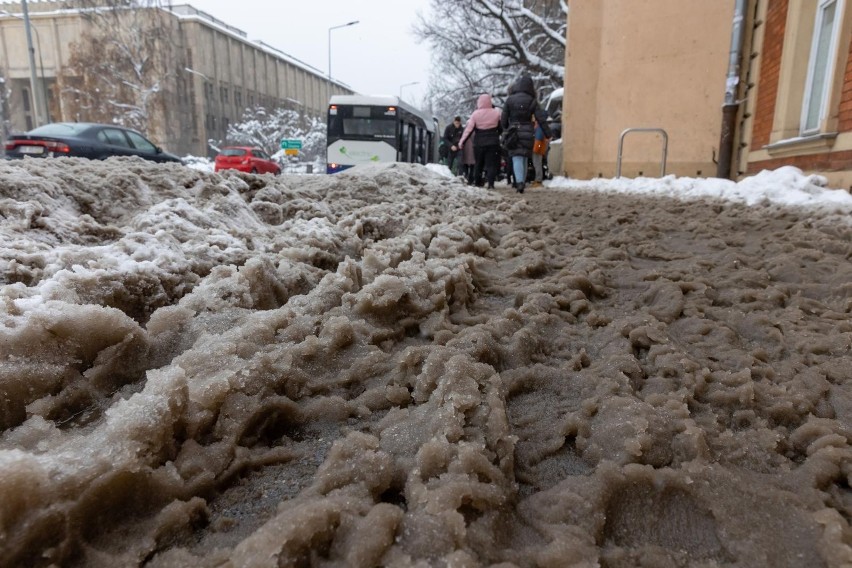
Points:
x=376, y=56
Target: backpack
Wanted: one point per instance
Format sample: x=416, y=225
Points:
x=509, y=140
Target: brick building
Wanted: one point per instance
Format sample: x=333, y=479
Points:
x=209, y=74
x=802, y=111
x=738, y=85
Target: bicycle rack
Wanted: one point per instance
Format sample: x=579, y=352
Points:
x=621, y=146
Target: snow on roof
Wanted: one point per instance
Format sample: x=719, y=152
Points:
x=187, y=12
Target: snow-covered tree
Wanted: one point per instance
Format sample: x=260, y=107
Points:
x=118, y=70
x=266, y=128
x=484, y=45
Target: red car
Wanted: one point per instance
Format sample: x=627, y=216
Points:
x=246, y=159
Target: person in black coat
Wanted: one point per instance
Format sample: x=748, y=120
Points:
x=519, y=110
x=452, y=135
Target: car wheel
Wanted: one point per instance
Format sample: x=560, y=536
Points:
x=254, y=170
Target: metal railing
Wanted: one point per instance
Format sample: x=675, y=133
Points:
x=621, y=147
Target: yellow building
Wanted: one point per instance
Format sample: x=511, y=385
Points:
x=735, y=85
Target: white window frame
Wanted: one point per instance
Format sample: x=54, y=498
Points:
x=829, y=70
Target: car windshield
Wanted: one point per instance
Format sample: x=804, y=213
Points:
x=140, y=142
x=60, y=129
x=233, y=152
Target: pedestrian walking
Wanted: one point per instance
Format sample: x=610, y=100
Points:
x=520, y=109
x=539, y=151
x=469, y=159
x=452, y=135
x=485, y=122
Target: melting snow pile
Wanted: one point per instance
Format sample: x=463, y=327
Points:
x=387, y=367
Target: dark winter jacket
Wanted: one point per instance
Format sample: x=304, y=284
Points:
x=519, y=110
x=452, y=134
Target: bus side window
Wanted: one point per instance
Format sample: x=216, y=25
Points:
x=412, y=141
x=423, y=146
x=403, y=142
x=406, y=148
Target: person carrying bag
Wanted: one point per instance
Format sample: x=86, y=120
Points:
x=509, y=139
x=539, y=151
x=520, y=108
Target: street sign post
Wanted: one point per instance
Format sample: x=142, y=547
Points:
x=291, y=147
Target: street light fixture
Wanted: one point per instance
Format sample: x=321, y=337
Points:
x=329, y=42
x=199, y=73
x=407, y=85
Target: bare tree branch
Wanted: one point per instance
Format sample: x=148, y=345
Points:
x=484, y=45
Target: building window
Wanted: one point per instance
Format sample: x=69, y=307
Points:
x=223, y=94
x=820, y=65
x=238, y=98
x=810, y=72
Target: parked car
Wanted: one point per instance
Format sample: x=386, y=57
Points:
x=84, y=140
x=246, y=159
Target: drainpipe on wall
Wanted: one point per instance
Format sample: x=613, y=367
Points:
x=731, y=105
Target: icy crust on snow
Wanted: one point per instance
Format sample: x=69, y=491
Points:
x=386, y=367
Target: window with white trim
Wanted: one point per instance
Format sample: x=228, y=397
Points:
x=820, y=66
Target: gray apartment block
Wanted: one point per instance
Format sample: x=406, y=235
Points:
x=214, y=73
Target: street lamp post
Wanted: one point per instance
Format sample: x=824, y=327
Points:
x=406, y=85
x=329, y=42
x=209, y=146
x=38, y=93
x=2, y=117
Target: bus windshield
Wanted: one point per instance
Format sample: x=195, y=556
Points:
x=381, y=128
x=369, y=121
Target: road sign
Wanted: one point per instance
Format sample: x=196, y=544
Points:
x=291, y=152
x=291, y=144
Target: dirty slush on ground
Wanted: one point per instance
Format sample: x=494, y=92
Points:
x=434, y=375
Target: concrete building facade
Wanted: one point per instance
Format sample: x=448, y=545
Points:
x=214, y=74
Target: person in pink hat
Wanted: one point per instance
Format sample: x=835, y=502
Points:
x=485, y=122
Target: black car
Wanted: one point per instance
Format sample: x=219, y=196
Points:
x=84, y=140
